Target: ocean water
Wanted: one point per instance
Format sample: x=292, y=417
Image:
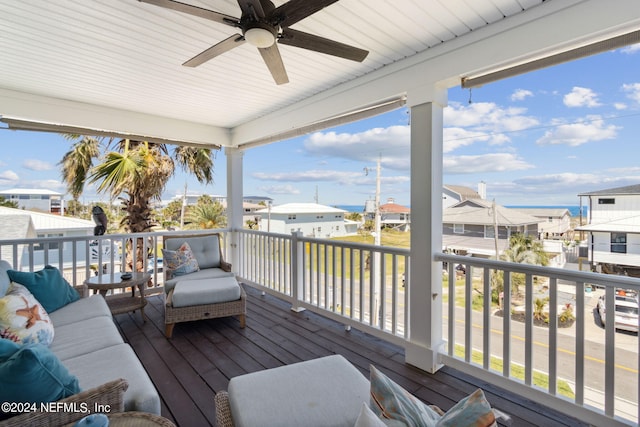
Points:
x=573, y=210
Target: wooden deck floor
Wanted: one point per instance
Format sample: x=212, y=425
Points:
x=202, y=356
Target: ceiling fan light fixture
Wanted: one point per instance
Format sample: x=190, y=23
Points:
x=259, y=37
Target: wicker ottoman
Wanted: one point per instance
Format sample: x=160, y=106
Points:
x=199, y=299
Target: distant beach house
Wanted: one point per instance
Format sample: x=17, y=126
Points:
x=392, y=215
x=311, y=219
x=39, y=199
x=453, y=194
x=556, y=222
x=468, y=227
x=24, y=224
x=613, y=225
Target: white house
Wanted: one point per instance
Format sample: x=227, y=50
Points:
x=613, y=225
x=452, y=194
x=24, y=224
x=556, y=222
x=40, y=199
x=311, y=219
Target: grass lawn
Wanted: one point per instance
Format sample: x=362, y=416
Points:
x=540, y=379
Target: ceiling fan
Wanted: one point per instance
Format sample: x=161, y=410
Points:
x=265, y=26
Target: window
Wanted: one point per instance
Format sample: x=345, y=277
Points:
x=458, y=228
x=609, y=201
x=619, y=243
x=489, y=232
x=550, y=219
x=49, y=245
x=292, y=217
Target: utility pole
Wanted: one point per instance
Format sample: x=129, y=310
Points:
x=184, y=206
x=375, y=310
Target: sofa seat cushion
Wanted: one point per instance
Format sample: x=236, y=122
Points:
x=188, y=293
x=93, y=334
x=322, y=392
x=81, y=310
x=207, y=273
x=119, y=361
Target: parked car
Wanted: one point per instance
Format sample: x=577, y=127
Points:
x=151, y=264
x=626, y=310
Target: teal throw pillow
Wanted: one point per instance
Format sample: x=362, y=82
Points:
x=396, y=406
x=34, y=374
x=7, y=348
x=48, y=286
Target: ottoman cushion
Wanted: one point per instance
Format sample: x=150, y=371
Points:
x=322, y=392
x=188, y=293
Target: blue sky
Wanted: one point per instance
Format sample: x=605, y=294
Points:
x=535, y=139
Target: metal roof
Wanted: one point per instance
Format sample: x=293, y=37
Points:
x=49, y=222
x=115, y=66
x=618, y=191
x=301, y=208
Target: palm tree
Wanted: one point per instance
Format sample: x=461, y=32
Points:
x=522, y=250
x=206, y=214
x=136, y=172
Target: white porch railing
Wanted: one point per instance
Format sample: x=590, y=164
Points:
x=357, y=284
x=584, y=370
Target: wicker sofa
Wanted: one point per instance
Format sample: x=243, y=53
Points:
x=90, y=347
x=213, y=273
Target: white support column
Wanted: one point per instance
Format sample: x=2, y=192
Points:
x=234, y=202
x=425, y=280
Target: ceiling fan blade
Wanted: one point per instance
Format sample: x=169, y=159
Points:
x=296, y=10
x=320, y=44
x=249, y=6
x=271, y=57
x=196, y=11
x=215, y=50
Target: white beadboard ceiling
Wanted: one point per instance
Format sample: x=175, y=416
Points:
x=63, y=59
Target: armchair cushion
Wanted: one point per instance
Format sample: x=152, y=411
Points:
x=48, y=286
x=205, y=291
x=205, y=248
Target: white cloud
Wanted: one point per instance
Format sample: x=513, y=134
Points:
x=633, y=91
x=483, y=122
x=9, y=176
x=592, y=128
x=620, y=106
x=315, y=176
x=279, y=189
x=496, y=162
x=581, y=97
x=37, y=165
x=521, y=94
x=634, y=48
x=391, y=143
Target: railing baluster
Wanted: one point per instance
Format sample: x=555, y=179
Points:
x=528, y=330
x=486, y=318
x=580, y=321
x=506, y=324
x=452, y=310
x=468, y=314
x=553, y=336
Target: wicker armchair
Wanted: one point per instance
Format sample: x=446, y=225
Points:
x=208, y=252
x=109, y=395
